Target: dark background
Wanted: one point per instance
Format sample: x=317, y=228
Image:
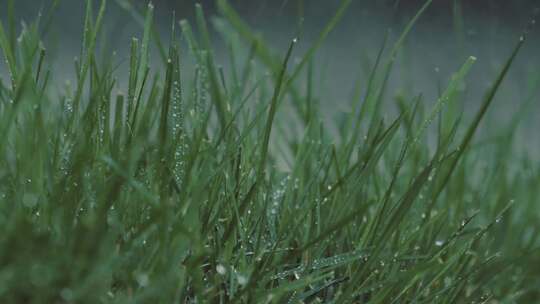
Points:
x=498, y=13
x=435, y=49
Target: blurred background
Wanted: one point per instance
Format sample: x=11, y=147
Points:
x=446, y=35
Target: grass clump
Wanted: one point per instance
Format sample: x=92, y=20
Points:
x=194, y=187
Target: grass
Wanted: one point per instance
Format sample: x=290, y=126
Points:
x=225, y=186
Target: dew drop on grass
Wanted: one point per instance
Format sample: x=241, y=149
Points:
x=143, y=279
x=69, y=106
x=30, y=200
x=221, y=269
x=110, y=294
x=439, y=243
x=242, y=279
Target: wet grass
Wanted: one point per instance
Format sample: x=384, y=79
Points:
x=218, y=185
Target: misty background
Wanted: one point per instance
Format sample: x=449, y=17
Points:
x=444, y=37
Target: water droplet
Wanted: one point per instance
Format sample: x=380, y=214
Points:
x=143, y=279
x=221, y=269
x=242, y=280
x=30, y=200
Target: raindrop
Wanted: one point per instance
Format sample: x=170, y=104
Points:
x=221, y=269
x=143, y=280
x=242, y=280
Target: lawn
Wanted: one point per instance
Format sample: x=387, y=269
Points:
x=200, y=181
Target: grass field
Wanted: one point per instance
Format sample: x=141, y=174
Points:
x=229, y=185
